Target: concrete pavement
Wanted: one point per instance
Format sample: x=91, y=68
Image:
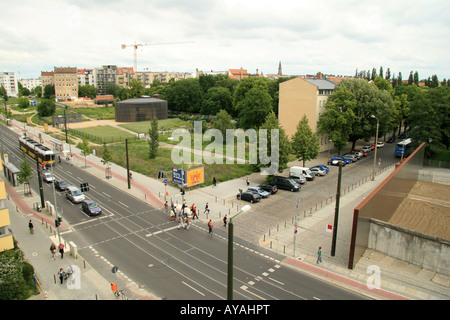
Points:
x=398, y=280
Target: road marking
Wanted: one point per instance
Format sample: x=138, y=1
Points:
x=123, y=204
x=276, y=281
x=192, y=288
x=160, y=231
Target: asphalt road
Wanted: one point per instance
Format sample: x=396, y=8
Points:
x=173, y=264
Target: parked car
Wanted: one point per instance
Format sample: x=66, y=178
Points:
x=380, y=144
x=391, y=140
x=285, y=183
x=269, y=188
x=249, y=196
x=366, y=149
x=359, y=153
x=74, y=194
x=317, y=171
x=347, y=161
x=335, y=162
x=48, y=177
x=350, y=157
x=91, y=208
x=61, y=185
x=323, y=167
x=263, y=193
x=300, y=179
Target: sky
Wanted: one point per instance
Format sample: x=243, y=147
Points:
x=332, y=37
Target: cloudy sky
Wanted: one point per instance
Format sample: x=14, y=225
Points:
x=333, y=37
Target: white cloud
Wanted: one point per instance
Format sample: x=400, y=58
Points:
x=328, y=36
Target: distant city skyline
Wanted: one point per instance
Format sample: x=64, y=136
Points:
x=332, y=37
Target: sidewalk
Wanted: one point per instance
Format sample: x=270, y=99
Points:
x=399, y=280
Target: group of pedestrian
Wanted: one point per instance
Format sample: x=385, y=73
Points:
x=60, y=249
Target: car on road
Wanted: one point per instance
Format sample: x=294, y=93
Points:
x=380, y=144
x=335, y=162
x=323, y=167
x=366, y=149
x=61, y=185
x=48, y=177
x=299, y=178
x=350, y=157
x=263, y=193
x=249, y=196
x=317, y=171
x=391, y=140
x=90, y=207
x=361, y=153
x=74, y=194
x=286, y=183
x=269, y=188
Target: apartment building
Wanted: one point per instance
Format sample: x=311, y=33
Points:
x=85, y=76
x=103, y=75
x=9, y=81
x=30, y=84
x=298, y=97
x=66, y=83
x=6, y=238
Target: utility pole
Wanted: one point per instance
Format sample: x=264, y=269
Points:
x=336, y=211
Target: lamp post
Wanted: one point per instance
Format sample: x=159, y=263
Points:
x=230, y=253
x=376, y=147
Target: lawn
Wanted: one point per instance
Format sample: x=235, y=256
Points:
x=103, y=134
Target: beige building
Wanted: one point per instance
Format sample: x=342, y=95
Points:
x=66, y=83
x=6, y=238
x=298, y=97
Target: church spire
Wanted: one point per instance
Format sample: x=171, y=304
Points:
x=279, y=69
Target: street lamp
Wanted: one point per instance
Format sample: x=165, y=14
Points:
x=376, y=147
x=230, y=253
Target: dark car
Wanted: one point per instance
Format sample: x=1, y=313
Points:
x=90, y=207
x=249, y=196
x=269, y=188
x=61, y=185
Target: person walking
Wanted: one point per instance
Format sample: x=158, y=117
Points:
x=61, y=250
x=210, y=227
x=248, y=182
x=61, y=275
x=225, y=221
x=214, y=181
x=195, y=214
x=206, y=208
x=53, y=250
x=180, y=222
x=31, y=227
x=319, y=255
x=188, y=223
x=172, y=215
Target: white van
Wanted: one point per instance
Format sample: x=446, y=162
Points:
x=308, y=174
x=74, y=194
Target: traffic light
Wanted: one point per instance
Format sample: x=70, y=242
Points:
x=182, y=191
x=58, y=221
x=160, y=174
x=84, y=187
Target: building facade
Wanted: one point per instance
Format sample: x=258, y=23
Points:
x=6, y=238
x=66, y=83
x=9, y=81
x=298, y=97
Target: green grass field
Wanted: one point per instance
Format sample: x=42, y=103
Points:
x=100, y=134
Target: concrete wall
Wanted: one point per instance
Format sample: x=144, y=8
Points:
x=419, y=249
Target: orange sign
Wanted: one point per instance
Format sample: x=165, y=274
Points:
x=194, y=177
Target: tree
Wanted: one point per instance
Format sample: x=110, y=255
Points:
x=25, y=174
x=339, y=118
x=49, y=91
x=184, y=95
x=87, y=90
x=24, y=103
x=153, y=143
x=215, y=99
x=254, y=108
x=46, y=108
x=106, y=156
x=282, y=149
x=222, y=122
x=136, y=89
x=85, y=150
x=305, y=143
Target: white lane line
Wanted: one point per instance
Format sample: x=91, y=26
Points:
x=192, y=288
x=123, y=204
x=160, y=231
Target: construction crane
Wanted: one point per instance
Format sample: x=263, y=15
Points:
x=136, y=45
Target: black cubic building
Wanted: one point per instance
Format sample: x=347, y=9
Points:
x=141, y=109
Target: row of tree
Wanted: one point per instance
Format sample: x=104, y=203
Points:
x=355, y=105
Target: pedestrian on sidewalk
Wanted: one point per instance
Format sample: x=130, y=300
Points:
x=31, y=227
x=206, y=208
x=188, y=223
x=319, y=255
x=248, y=182
x=53, y=250
x=180, y=222
x=61, y=250
x=172, y=215
x=225, y=221
x=61, y=275
x=214, y=181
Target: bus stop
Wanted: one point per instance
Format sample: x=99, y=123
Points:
x=11, y=173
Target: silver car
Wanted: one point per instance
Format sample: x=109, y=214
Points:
x=318, y=171
x=263, y=193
